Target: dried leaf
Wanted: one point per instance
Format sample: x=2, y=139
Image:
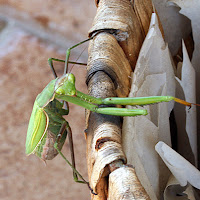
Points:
x=143, y=10
x=174, y=191
x=183, y=171
x=173, y=23
x=191, y=8
x=153, y=76
x=186, y=88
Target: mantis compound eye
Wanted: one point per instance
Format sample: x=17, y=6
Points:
x=71, y=78
x=60, y=90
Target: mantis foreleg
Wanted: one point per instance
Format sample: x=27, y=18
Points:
x=106, y=110
x=90, y=102
x=132, y=101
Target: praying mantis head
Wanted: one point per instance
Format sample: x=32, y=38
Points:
x=65, y=85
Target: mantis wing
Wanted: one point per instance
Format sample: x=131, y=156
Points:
x=36, y=129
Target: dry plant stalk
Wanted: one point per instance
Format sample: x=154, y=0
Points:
x=106, y=55
x=130, y=182
x=112, y=56
x=119, y=16
x=100, y=84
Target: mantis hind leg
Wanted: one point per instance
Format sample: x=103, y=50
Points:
x=66, y=61
x=68, y=53
x=76, y=174
x=69, y=50
x=50, y=61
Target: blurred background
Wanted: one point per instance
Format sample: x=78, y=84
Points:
x=32, y=32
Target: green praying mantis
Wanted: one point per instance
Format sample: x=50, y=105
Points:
x=47, y=129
